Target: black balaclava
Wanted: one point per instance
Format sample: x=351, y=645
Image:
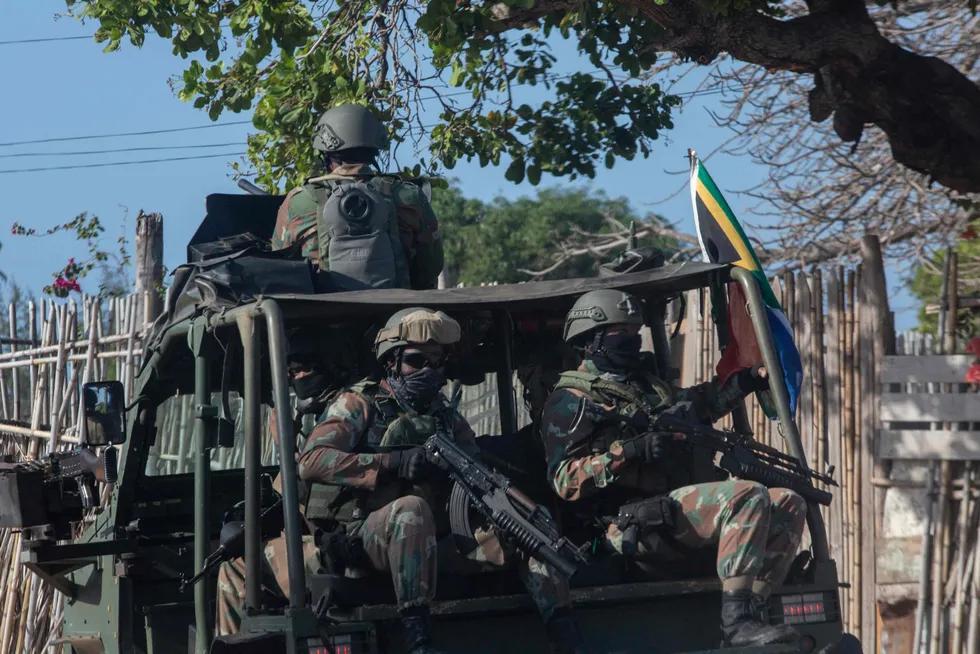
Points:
x=416, y=390
x=615, y=353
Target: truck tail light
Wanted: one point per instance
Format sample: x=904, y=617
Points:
x=339, y=644
x=806, y=608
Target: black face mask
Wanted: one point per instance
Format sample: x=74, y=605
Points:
x=617, y=352
x=417, y=389
x=309, y=386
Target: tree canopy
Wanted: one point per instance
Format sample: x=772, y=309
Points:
x=509, y=241
x=821, y=190
x=289, y=60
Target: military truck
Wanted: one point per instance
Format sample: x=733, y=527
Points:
x=224, y=333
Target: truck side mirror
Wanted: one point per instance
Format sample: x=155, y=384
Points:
x=103, y=424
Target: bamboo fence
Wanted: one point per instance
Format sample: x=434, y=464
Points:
x=50, y=349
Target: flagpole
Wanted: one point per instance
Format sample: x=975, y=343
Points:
x=695, y=163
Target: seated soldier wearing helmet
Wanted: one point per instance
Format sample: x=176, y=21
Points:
x=367, y=229
x=318, y=367
x=659, y=498
x=369, y=473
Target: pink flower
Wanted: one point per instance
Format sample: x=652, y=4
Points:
x=973, y=347
x=973, y=374
x=67, y=284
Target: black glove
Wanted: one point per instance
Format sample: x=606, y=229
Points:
x=753, y=379
x=410, y=464
x=651, y=447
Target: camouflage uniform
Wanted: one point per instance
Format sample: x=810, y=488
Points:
x=756, y=530
x=296, y=223
x=275, y=578
x=400, y=532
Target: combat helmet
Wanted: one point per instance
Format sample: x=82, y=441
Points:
x=349, y=126
x=416, y=325
x=599, y=309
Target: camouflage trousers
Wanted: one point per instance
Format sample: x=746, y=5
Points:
x=756, y=530
x=401, y=538
x=275, y=579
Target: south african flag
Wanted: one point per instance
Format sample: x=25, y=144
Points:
x=723, y=241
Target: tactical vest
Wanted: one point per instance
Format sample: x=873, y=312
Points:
x=389, y=427
x=690, y=465
x=358, y=237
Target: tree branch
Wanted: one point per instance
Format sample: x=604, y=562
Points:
x=929, y=111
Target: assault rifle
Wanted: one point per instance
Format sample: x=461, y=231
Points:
x=232, y=539
x=508, y=509
x=741, y=455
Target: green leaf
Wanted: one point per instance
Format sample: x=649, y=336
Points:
x=534, y=174
x=457, y=75
x=515, y=171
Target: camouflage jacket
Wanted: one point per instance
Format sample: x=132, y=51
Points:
x=418, y=225
x=580, y=466
x=343, y=449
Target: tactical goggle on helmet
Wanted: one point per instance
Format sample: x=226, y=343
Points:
x=417, y=325
x=600, y=309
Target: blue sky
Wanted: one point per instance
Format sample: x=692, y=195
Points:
x=70, y=88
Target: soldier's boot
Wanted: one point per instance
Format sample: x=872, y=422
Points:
x=415, y=626
x=564, y=636
x=742, y=626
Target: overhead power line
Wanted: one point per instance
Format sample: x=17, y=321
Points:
x=107, y=136
x=48, y=39
x=88, y=152
x=120, y=163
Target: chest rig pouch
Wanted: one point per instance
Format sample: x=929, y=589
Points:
x=389, y=428
x=630, y=401
x=358, y=237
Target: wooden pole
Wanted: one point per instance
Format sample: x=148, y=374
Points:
x=961, y=583
x=852, y=492
x=833, y=414
x=974, y=626
x=15, y=384
x=59, y=381
x=941, y=543
x=149, y=263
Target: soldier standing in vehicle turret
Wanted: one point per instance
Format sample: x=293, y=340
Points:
x=367, y=229
x=656, y=487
